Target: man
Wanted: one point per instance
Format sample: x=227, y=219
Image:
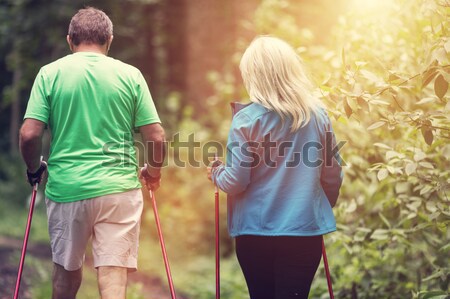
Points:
x=91, y=104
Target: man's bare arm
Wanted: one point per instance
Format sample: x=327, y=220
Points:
x=30, y=143
x=154, y=140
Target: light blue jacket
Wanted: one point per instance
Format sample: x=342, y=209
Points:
x=279, y=183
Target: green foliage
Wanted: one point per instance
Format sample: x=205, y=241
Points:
x=198, y=279
x=13, y=184
x=41, y=274
x=375, y=76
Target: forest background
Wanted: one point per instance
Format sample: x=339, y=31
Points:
x=383, y=70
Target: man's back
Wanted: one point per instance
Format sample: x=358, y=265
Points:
x=91, y=103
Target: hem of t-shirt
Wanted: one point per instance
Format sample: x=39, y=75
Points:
x=37, y=117
x=284, y=233
x=89, y=195
x=148, y=121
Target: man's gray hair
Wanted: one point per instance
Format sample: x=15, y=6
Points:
x=91, y=26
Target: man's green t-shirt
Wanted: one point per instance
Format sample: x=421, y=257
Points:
x=91, y=103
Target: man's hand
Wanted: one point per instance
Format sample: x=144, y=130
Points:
x=36, y=177
x=210, y=167
x=152, y=183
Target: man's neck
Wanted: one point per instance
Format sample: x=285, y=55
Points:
x=101, y=49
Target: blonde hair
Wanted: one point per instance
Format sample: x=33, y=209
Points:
x=274, y=77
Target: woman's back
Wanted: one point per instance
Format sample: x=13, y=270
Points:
x=276, y=186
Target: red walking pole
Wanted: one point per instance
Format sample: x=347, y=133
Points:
x=163, y=246
x=25, y=240
x=327, y=270
x=216, y=193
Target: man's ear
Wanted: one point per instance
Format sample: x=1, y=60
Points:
x=109, y=42
x=69, y=42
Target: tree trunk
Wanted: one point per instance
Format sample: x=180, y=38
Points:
x=15, y=111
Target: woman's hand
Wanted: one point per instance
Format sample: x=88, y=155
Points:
x=210, y=167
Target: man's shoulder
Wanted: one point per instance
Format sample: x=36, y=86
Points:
x=55, y=64
x=122, y=65
x=74, y=62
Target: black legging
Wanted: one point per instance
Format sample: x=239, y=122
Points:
x=279, y=267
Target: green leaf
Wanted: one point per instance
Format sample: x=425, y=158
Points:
x=428, y=76
x=445, y=248
x=402, y=187
x=390, y=169
x=426, y=189
x=391, y=154
x=433, y=295
x=348, y=110
x=435, y=275
x=360, y=63
x=326, y=80
x=411, y=215
x=427, y=134
x=431, y=206
x=382, y=145
x=393, y=77
x=440, y=86
x=352, y=102
x=380, y=234
x=382, y=174
x=446, y=75
x=376, y=125
x=426, y=100
x=351, y=207
x=384, y=219
x=379, y=102
x=419, y=156
x=413, y=206
x=370, y=76
x=426, y=165
x=363, y=104
x=410, y=168
x=440, y=55
x=447, y=46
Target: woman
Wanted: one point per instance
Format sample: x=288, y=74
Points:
x=282, y=174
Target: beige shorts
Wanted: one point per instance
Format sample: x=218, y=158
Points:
x=113, y=222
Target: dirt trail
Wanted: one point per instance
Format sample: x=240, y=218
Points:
x=9, y=252
x=152, y=287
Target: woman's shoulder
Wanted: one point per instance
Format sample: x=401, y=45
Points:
x=252, y=111
x=322, y=119
x=250, y=116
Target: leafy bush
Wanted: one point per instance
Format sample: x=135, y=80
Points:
x=13, y=185
x=384, y=78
